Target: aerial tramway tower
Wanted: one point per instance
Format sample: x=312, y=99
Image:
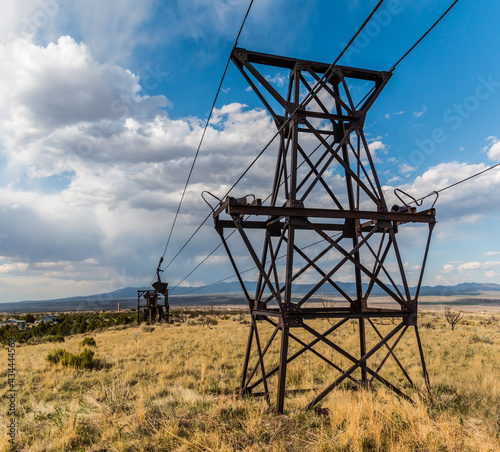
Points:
x=325, y=188
x=154, y=310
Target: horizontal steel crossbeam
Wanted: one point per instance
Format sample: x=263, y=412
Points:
x=426, y=216
x=319, y=68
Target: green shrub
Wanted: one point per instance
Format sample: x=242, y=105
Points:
x=55, y=356
x=53, y=338
x=481, y=339
x=90, y=341
x=84, y=360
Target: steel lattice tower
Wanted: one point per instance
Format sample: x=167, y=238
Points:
x=331, y=194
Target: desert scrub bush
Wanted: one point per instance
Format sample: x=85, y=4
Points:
x=481, y=339
x=55, y=356
x=34, y=341
x=90, y=341
x=53, y=338
x=452, y=317
x=83, y=360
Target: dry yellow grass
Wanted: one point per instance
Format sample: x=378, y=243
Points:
x=175, y=389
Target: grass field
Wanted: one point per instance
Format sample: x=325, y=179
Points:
x=175, y=388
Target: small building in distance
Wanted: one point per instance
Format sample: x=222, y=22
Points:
x=48, y=318
x=21, y=324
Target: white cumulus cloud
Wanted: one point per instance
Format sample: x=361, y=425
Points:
x=94, y=169
x=494, y=151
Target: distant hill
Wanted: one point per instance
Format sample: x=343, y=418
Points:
x=220, y=294
x=350, y=288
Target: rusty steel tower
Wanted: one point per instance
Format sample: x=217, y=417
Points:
x=325, y=188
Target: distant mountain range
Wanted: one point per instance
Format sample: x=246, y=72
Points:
x=220, y=294
x=349, y=288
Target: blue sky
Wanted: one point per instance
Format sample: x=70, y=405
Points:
x=103, y=104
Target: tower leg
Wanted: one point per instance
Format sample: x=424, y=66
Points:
x=422, y=359
x=362, y=349
x=282, y=370
x=243, y=389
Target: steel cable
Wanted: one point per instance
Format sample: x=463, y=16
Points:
x=244, y=271
x=456, y=183
x=204, y=132
x=423, y=36
x=280, y=257
x=285, y=123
